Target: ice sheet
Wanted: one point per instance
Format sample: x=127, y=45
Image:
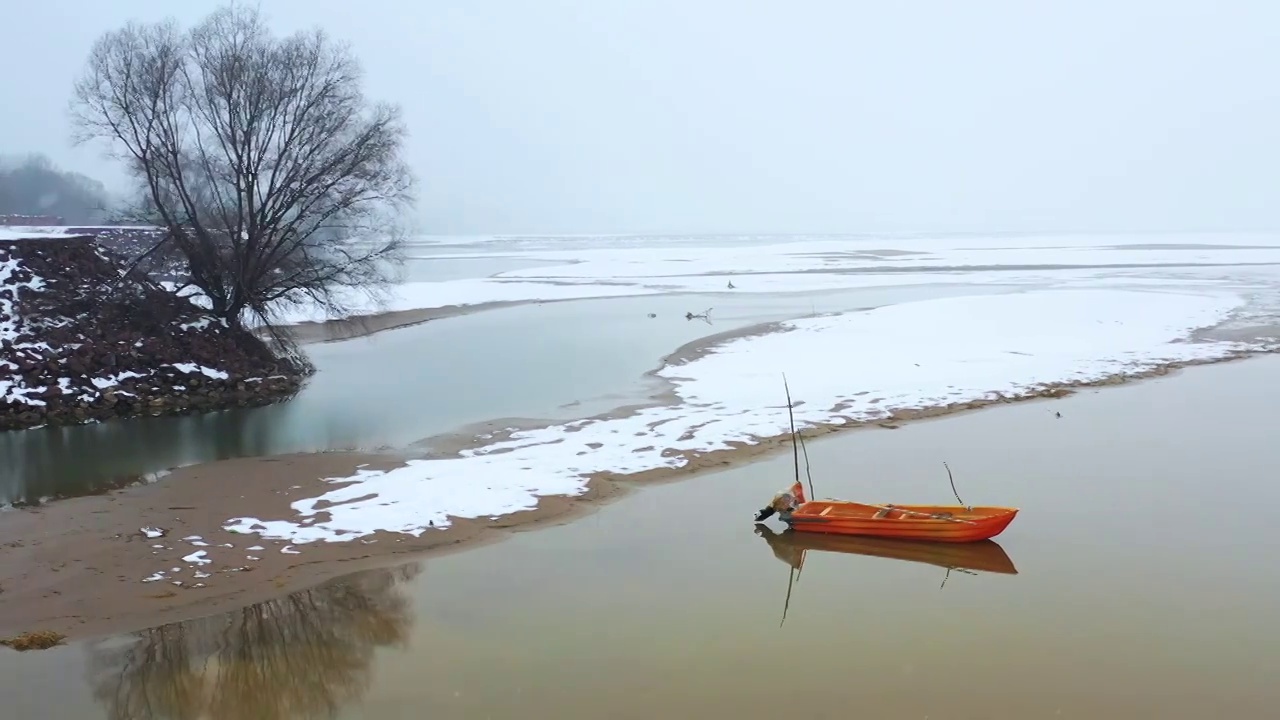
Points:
x=583, y=267
x=580, y=267
x=597, y=267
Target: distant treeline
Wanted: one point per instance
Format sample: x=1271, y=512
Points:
x=32, y=185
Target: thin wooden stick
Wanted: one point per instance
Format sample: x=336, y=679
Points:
x=957, y=569
x=807, y=473
x=952, y=480
x=795, y=449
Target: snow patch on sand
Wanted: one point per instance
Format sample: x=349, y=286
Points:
x=855, y=366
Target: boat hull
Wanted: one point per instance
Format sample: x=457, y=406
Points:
x=933, y=523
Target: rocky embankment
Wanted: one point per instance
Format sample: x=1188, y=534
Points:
x=79, y=342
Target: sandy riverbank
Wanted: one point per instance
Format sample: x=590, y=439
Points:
x=78, y=566
x=86, y=567
x=362, y=325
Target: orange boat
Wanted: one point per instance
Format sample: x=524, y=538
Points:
x=935, y=523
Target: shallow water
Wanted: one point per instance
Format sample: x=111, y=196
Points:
x=1146, y=588
x=552, y=360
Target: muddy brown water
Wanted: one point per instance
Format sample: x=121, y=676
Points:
x=1146, y=587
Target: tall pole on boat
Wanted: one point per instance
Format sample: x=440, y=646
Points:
x=804, y=450
x=951, y=479
x=795, y=447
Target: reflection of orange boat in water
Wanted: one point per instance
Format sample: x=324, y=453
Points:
x=970, y=558
x=790, y=547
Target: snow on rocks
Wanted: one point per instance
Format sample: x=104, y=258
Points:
x=79, y=343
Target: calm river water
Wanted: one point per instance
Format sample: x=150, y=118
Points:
x=1145, y=587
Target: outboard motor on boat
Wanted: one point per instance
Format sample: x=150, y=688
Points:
x=783, y=502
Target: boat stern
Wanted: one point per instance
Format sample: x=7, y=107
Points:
x=782, y=504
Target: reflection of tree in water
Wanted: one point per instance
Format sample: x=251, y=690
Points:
x=300, y=656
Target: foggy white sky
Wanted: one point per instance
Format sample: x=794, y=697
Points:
x=773, y=116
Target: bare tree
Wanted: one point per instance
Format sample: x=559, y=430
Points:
x=274, y=178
